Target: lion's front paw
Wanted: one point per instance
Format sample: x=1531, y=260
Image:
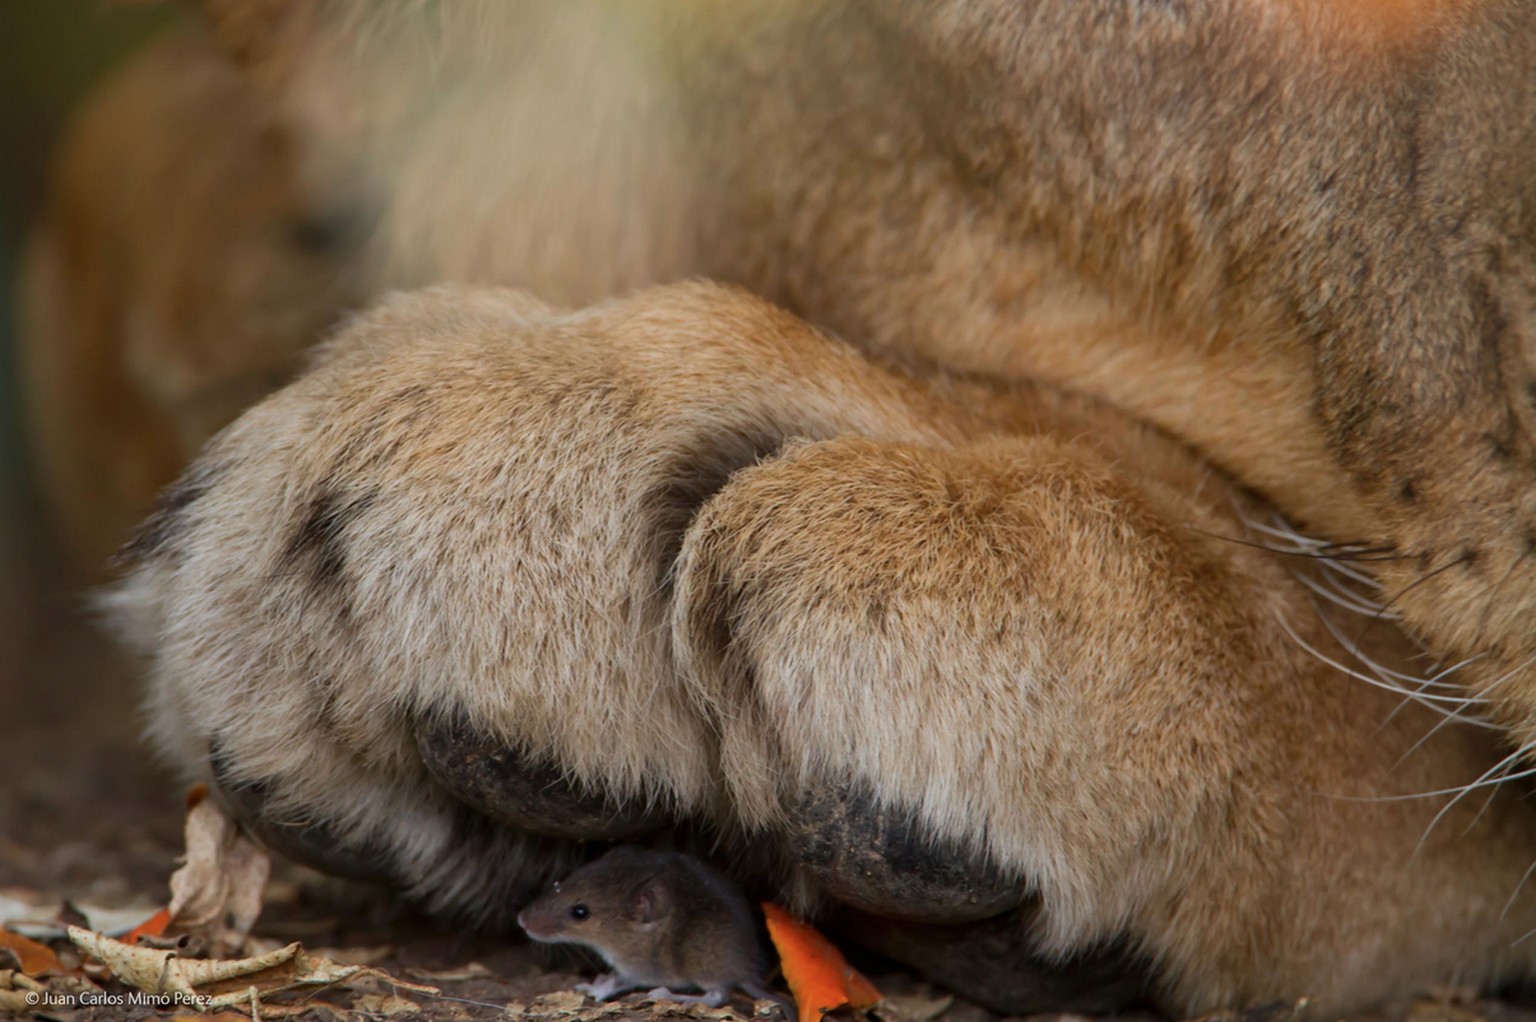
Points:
x=435, y=574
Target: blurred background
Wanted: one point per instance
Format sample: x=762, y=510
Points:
x=75, y=785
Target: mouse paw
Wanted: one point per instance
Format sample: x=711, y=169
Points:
x=607, y=987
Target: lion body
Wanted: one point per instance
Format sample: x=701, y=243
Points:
x=1111, y=282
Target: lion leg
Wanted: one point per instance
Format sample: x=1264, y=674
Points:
x=950, y=677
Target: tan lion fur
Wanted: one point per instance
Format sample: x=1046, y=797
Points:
x=1117, y=277
x=1038, y=641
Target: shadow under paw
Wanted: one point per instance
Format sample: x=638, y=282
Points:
x=878, y=859
x=532, y=794
x=994, y=963
x=310, y=844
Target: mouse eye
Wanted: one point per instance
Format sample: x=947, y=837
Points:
x=580, y=912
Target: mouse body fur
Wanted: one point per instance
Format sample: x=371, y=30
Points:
x=661, y=919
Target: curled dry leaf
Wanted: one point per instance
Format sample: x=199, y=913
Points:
x=157, y=971
x=217, y=892
x=224, y=983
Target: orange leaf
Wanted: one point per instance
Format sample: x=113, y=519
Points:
x=35, y=959
x=817, y=974
x=154, y=926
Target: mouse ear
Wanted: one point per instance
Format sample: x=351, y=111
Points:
x=653, y=901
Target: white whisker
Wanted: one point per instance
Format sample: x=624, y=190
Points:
x=1428, y=700
x=1494, y=775
x=1350, y=571
x=1296, y=539
x=1345, y=600
x=1457, y=793
x=1524, y=879
x=1419, y=684
x=1332, y=576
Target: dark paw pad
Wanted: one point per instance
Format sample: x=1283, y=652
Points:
x=310, y=844
x=531, y=794
x=876, y=858
x=994, y=963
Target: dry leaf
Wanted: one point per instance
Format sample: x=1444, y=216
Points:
x=158, y=971
x=817, y=973
x=222, y=983
x=355, y=955
x=217, y=891
x=154, y=926
x=269, y=1012
x=560, y=1000
x=917, y=1008
x=10, y=979
x=32, y=958
x=384, y=1004
x=18, y=1001
x=37, y=915
x=474, y=970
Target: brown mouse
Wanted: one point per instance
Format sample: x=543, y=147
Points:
x=661, y=919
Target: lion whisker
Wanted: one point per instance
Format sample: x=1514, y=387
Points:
x=1483, y=781
x=1419, y=683
x=1494, y=776
x=1524, y=879
x=1428, y=700
x=1487, y=691
x=1336, y=572
x=1339, y=598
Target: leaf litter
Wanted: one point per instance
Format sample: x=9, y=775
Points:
x=202, y=939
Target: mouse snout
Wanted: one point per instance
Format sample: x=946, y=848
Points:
x=536, y=922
